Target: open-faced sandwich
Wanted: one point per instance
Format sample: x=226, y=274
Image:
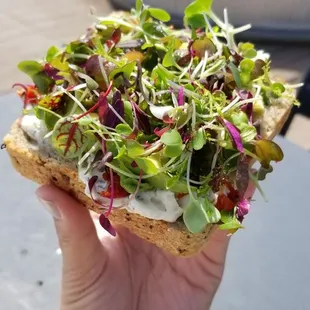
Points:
x=154, y=128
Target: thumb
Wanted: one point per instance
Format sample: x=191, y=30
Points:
x=75, y=228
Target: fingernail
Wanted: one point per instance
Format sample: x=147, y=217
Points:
x=51, y=208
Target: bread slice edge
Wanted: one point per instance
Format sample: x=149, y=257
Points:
x=172, y=237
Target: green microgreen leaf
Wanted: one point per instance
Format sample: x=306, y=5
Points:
x=51, y=53
x=69, y=139
x=277, y=89
x=139, y=6
x=227, y=216
x=173, y=150
x=59, y=64
x=243, y=47
x=154, y=29
x=91, y=83
x=172, y=181
x=169, y=59
x=196, y=21
x=199, y=213
x=199, y=139
x=251, y=53
x=230, y=221
x=173, y=141
x=126, y=70
x=131, y=185
x=49, y=117
x=123, y=129
x=134, y=148
x=236, y=74
x=171, y=137
x=30, y=67
x=148, y=165
x=247, y=65
x=43, y=82
x=234, y=224
x=245, y=78
x=197, y=7
x=159, y=14
x=248, y=133
x=146, y=45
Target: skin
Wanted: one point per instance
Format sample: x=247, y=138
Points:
x=126, y=272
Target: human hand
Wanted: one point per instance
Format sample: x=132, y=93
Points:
x=126, y=272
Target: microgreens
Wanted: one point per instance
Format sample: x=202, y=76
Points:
x=157, y=108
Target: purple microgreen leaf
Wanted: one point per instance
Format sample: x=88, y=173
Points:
x=234, y=133
x=242, y=175
x=181, y=96
x=52, y=72
x=141, y=120
x=248, y=110
x=107, y=116
x=92, y=68
x=245, y=94
x=243, y=209
x=115, y=38
x=106, y=225
x=103, y=108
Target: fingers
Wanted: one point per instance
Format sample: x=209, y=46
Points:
x=76, y=232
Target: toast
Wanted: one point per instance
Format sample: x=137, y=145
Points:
x=172, y=237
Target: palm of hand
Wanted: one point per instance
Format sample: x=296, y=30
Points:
x=128, y=273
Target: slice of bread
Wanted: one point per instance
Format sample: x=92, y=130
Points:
x=43, y=168
x=172, y=237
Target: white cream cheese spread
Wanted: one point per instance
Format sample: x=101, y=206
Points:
x=34, y=128
x=157, y=204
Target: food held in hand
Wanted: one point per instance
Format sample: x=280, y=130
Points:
x=154, y=128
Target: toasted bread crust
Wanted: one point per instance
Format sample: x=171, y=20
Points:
x=172, y=237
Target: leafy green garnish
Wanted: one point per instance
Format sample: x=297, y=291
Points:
x=197, y=7
x=148, y=165
x=199, y=139
x=52, y=52
x=126, y=70
x=159, y=14
x=173, y=141
x=134, y=148
x=70, y=139
x=35, y=70
x=30, y=67
x=199, y=213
